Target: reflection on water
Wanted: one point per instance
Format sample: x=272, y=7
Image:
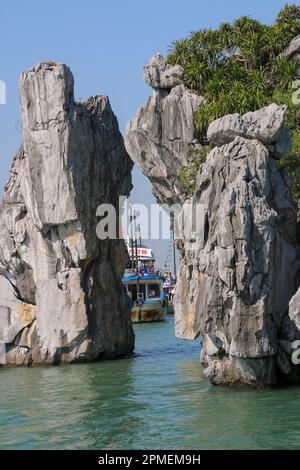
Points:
x=156, y=399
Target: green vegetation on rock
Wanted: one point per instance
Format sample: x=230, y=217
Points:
x=188, y=174
x=239, y=68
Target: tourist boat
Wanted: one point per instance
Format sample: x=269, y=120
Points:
x=143, y=283
x=146, y=294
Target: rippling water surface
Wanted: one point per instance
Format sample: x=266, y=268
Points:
x=154, y=400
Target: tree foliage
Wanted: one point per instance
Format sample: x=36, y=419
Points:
x=239, y=68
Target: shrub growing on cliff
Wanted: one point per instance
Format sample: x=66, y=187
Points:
x=238, y=68
x=188, y=174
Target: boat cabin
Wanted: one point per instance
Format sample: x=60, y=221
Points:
x=144, y=288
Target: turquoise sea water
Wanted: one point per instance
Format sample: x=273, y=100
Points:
x=154, y=400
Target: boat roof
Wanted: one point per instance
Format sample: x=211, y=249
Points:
x=142, y=278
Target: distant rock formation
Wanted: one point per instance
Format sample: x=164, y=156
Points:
x=61, y=299
x=234, y=287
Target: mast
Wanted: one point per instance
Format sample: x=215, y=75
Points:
x=174, y=248
x=174, y=254
x=136, y=253
x=131, y=236
x=140, y=236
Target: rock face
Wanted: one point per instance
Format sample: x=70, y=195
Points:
x=160, y=75
x=265, y=125
x=61, y=299
x=235, y=288
x=236, y=280
x=293, y=50
x=160, y=136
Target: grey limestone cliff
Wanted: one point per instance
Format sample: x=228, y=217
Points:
x=235, y=283
x=61, y=299
x=159, y=137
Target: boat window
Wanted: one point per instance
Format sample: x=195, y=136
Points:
x=132, y=290
x=153, y=290
x=143, y=291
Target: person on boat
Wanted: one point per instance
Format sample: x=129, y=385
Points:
x=172, y=293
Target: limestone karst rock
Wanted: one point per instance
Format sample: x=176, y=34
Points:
x=292, y=53
x=236, y=286
x=61, y=299
x=160, y=75
x=293, y=50
x=235, y=283
x=160, y=135
x=266, y=125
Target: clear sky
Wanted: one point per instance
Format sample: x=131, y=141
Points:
x=105, y=43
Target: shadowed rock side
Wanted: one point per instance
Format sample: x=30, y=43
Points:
x=61, y=299
x=235, y=283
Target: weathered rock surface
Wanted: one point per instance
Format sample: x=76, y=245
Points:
x=160, y=75
x=237, y=278
x=162, y=133
x=293, y=50
x=266, y=125
x=294, y=310
x=234, y=289
x=61, y=299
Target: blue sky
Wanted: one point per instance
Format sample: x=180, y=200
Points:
x=105, y=43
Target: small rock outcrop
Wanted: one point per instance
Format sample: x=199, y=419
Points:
x=161, y=76
x=159, y=137
x=293, y=50
x=236, y=281
x=265, y=125
x=61, y=299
